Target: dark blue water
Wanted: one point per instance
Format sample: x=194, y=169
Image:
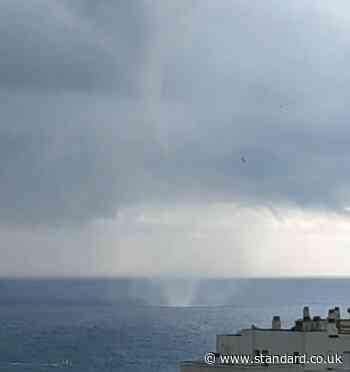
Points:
x=141, y=325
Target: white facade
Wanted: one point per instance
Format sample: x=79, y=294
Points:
x=317, y=336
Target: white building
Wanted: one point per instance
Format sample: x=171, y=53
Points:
x=317, y=340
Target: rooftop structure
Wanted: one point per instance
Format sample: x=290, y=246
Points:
x=309, y=336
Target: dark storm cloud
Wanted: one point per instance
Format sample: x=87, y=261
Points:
x=111, y=103
x=53, y=47
x=65, y=162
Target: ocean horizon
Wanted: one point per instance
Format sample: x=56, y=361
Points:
x=147, y=325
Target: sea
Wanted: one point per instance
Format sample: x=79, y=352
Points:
x=148, y=325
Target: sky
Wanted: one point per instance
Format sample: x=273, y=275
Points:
x=124, y=125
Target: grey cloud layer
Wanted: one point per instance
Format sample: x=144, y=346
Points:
x=53, y=47
x=106, y=104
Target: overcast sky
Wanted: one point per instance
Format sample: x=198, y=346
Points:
x=124, y=123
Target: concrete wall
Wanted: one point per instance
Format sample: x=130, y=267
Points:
x=276, y=342
x=280, y=342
